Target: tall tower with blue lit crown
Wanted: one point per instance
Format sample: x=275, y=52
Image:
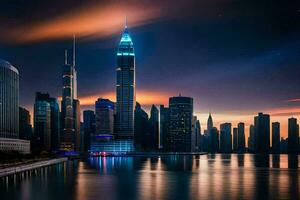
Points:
x=125, y=87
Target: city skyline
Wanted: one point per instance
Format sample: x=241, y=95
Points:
x=209, y=81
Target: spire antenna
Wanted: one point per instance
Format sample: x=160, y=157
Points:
x=125, y=21
x=66, y=56
x=74, y=53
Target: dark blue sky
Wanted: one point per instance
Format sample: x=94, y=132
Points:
x=233, y=56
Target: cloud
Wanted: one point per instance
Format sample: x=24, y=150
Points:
x=285, y=111
x=293, y=100
x=97, y=20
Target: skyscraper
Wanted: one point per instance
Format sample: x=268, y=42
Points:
x=9, y=100
x=42, y=124
x=209, y=123
x=140, y=128
x=214, y=140
x=164, y=117
x=251, y=139
x=9, y=110
x=276, y=137
x=43, y=132
x=125, y=87
x=262, y=133
x=196, y=134
x=235, y=139
x=104, y=114
x=70, y=107
x=293, y=136
x=225, y=138
x=89, y=128
x=77, y=122
x=180, y=129
x=153, y=129
x=25, y=124
x=241, y=138
x=55, y=124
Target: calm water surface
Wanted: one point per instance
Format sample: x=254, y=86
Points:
x=163, y=177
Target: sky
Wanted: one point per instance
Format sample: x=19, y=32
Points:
x=234, y=57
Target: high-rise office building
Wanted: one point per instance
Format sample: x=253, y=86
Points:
x=262, y=133
x=275, y=137
x=196, y=134
x=9, y=110
x=209, y=123
x=251, y=139
x=125, y=87
x=9, y=100
x=104, y=114
x=293, y=136
x=77, y=122
x=225, y=138
x=70, y=107
x=214, y=140
x=235, y=139
x=55, y=124
x=164, y=119
x=180, y=128
x=25, y=127
x=283, y=145
x=47, y=133
x=140, y=128
x=153, y=129
x=42, y=125
x=241, y=138
x=89, y=128
x=193, y=134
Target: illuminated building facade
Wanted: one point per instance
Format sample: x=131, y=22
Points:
x=125, y=87
x=180, y=128
x=70, y=107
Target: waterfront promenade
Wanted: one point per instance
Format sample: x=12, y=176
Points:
x=4, y=172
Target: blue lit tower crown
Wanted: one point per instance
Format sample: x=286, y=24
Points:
x=125, y=87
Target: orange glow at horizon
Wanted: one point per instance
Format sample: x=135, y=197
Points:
x=147, y=98
x=96, y=20
x=143, y=97
x=285, y=111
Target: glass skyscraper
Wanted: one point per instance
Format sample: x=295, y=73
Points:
x=42, y=125
x=46, y=122
x=125, y=87
x=180, y=128
x=104, y=111
x=9, y=100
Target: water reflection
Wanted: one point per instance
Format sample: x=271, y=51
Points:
x=276, y=161
x=163, y=177
x=293, y=161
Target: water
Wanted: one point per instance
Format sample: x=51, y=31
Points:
x=164, y=177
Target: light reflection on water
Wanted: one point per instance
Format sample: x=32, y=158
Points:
x=163, y=177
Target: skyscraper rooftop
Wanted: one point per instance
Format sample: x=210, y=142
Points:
x=6, y=64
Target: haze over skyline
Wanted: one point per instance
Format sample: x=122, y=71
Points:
x=233, y=62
